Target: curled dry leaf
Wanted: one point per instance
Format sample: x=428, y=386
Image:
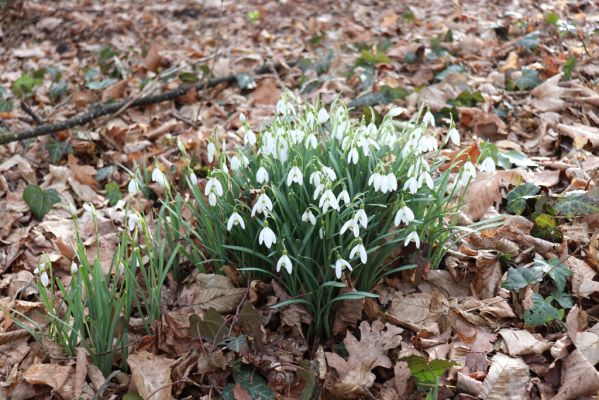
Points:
x=347, y=313
x=548, y=95
x=354, y=374
x=519, y=342
x=485, y=191
x=583, y=136
x=212, y=291
x=579, y=378
x=59, y=377
x=583, y=284
x=418, y=311
x=507, y=379
x=151, y=375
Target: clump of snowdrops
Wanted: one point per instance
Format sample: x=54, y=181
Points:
x=319, y=201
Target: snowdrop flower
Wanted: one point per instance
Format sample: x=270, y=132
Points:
x=193, y=178
x=311, y=141
x=234, y=220
x=329, y=173
x=315, y=178
x=310, y=118
x=242, y=118
x=282, y=149
x=262, y=175
x=284, y=262
x=44, y=279
x=211, y=149
x=74, y=268
x=361, y=250
x=428, y=143
x=412, y=185
x=323, y=116
x=295, y=175
x=327, y=200
x=267, y=237
x=375, y=180
x=250, y=137
x=340, y=265
x=366, y=143
x=454, y=136
x=159, y=177
x=213, y=190
x=488, y=165
x=428, y=119
x=353, y=224
x=428, y=179
x=134, y=187
x=281, y=107
x=72, y=209
x=235, y=164
x=133, y=221
x=391, y=182
x=469, y=170
x=343, y=196
x=89, y=207
x=262, y=206
x=405, y=215
x=353, y=156
x=307, y=216
x=412, y=237
x=317, y=191
x=361, y=218
x=395, y=111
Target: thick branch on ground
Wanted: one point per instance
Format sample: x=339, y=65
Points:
x=100, y=110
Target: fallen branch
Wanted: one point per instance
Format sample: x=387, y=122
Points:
x=99, y=110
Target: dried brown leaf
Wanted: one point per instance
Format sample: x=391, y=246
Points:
x=507, y=379
x=519, y=342
x=151, y=375
x=579, y=378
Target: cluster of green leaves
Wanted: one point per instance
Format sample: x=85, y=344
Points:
x=551, y=299
x=545, y=212
x=428, y=373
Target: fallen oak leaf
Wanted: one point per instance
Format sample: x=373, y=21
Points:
x=354, y=374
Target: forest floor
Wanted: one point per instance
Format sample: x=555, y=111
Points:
x=522, y=75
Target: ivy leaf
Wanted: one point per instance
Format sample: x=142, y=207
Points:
x=515, y=157
x=516, y=199
x=105, y=172
x=519, y=278
x=113, y=193
x=557, y=271
x=5, y=106
x=212, y=327
x=101, y=84
x=40, y=201
x=250, y=381
x=58, y=90
x=564, y=299
x=541, y=311
x=426, y=373
x=530, y=41
x=576, y=204
x=528, y=79
x=23, y=86
x=57, y=149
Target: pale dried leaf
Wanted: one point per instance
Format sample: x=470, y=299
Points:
x=151, y=375
x=548, y=95
x=579, y=378
x=583, y=135
x=215, y=291
x=506, y=380
x=483, y=192
x=519, y=342
x=58, y=377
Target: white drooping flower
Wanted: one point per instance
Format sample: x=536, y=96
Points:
x=412, y=185
x=412, y=237
x=267, y=237
x=328, y=200
x=284, y=262
x=159, y=177
x=428, y=143
x=211, y=150
x=89, y=207
x=329, y=173
x=361, y=250
x=469, y=170
x=295, y=175
x=242, y=118
x=234, y=220
x=428, y=119
x=213, y=190
x=297, y=136
x=281, y=107
x=361, y=218
x=343, y=196
x=262, y=175
x=426, y=178
x=250, y=137
x=133, y=221
x=353, y=156
x=235, y=163
x=282, y=149
x=405, y=215
x=74, y=268
x=340, y=265
x=307, y=216
x=323, y=116
x=134, y=187
x=315, y=178
x=391, y=182
x=262, y=205
x=311, y=141
x=193, y=178
x=376, y=180
x=44, y=279
x=488, y=165
x=310, y=118
x=454, y=136
x=395, y=111
x=353, y=225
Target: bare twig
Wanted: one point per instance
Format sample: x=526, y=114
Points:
x=99, y=110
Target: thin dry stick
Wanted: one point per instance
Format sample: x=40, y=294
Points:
x=100, y=110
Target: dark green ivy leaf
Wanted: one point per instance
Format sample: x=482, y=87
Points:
x=212, y=327
x=519, y=278
x=541, y=311
x=40, y=201
x=556, y=270
x=113, y=193
x=530, y=41
x=57, y=149
x=576, y=204
x=252, y=382
x=529, y=79
x=58, y=90
x=516, y=199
